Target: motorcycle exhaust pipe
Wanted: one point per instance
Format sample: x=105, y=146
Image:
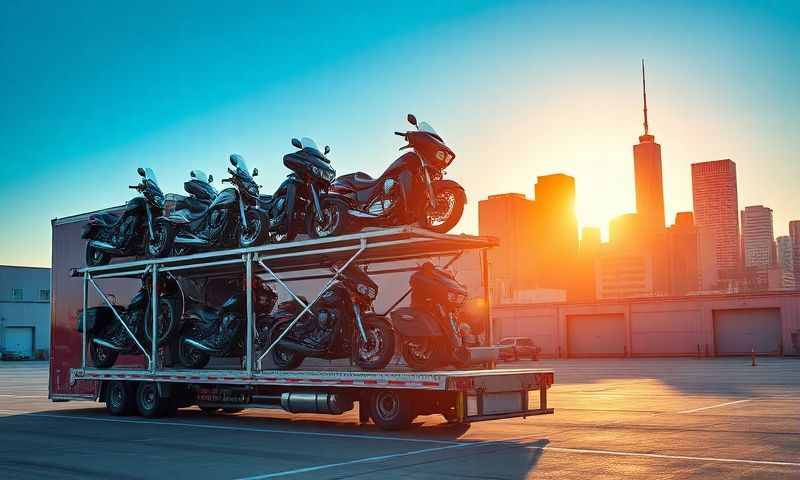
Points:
x=316, y=402
x=105, y=247
x=198, y=345
x=190, y=240
x=106, y=344
x=297, y=347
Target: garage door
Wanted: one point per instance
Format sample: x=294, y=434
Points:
x=596, y=335
x=736, y=332
x=19, y=340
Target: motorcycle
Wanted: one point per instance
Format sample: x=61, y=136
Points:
x=201, y=194
x=341, y=324
x=231, y=219
x=220, y=331
x=107, y=338
x=436, y=330
x=133, y=232
x=298, y=205
x=412, y=190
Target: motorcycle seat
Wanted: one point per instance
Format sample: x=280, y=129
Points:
x=356, y=181
x=104, y=219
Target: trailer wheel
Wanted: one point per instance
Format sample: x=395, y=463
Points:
x=149, y=403
x=121, y=398
x=392, y=410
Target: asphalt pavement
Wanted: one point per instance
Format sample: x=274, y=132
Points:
x=631, y=418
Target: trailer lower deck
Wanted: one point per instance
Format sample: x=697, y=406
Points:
x=391, y=399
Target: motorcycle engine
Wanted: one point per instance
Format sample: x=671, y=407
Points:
x=317, y=332
x=125, y=231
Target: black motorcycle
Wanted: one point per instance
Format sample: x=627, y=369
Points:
x=132, y=233
x=297, y=205
x=107, y=338
x=341, y=324
x=231, y=219
x=210, y=331
x=201, y=194
x=436, y=331
x=411, y=191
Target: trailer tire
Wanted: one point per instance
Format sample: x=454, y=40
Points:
x=392, y=409
x=148, y=401
x=121, y=399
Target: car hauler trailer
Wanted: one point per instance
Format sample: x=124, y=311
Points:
x=391, y=398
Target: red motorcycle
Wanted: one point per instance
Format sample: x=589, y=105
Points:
x=411, y=191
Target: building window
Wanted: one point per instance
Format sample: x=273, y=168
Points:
x=16, y=294
x=44, y=295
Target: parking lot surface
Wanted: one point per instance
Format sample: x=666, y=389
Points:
x=631, y=418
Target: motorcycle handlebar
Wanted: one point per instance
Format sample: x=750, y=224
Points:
x=401, y=134
x=134, y=187
x=227, y=180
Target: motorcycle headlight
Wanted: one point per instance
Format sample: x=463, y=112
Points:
x=252, y=189
x=367, y=291
x=329, y=175
x=158, y=200
x=456, y=298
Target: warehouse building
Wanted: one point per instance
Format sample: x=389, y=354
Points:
x=24, y=312
x=704, y=325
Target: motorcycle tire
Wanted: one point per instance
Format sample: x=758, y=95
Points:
x=190, y=357
x=165, y=326
x=334, y=213
x=454, y=198
x=283, y=358
x=256, y=231
x=161, y=245
x=95, y=257
x=103, y=357
x=421, y=353
x=380, y=344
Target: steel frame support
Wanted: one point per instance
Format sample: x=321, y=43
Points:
x=306, y=308
x=83, y=313
x=116, y=314
x=248, y=271
x=154, y=307
x=484, y=253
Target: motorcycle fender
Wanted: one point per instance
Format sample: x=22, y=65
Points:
x=339, y=196
x=411, y=322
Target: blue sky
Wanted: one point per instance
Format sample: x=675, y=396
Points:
x=92, y=90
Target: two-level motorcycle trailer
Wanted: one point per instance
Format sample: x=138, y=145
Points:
x=391, y=398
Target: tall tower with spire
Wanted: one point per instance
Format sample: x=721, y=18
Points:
x=647, y=171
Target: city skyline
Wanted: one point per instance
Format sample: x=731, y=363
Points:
x=177, y=89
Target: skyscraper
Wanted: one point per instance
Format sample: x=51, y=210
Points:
x=794, y=235
x=556, y=239
x=647, y=173
x=716, y=207
x=758, y=240
x=510, y=218
x=786, y=261
x=683, y=249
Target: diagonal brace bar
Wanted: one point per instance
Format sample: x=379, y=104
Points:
x=119, y=318
x=337, y=272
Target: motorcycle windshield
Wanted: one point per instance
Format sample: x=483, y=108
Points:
x=241, y=168
x=426, y=127
x=199, y=175
x=151, y=182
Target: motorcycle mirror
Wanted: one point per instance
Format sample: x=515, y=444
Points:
x=141, y=171
x=412, y=119
x=255, y=172
x=327, y=149
x=296, y=143
x=192, y=174
x=210, y=178
x=234, y=159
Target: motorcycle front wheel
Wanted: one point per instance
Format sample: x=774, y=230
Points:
x=283, y=358
x=334, y=219
x=163, y=238
x=256, y=231
x=450, y=200
x=378, y=350
x=420, y=353
x=167, y=319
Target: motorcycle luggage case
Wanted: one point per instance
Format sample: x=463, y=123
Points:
x=96, y=319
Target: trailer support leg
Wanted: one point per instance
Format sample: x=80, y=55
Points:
x=85, y=305
x=248, y=269
x=156, y=310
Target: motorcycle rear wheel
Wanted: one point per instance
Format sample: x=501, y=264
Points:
x=190, y=357
x=103, y=357
x=167, y=319
x=421, y=353
x=95, y=257
x=283, y=358
x=450, y=200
